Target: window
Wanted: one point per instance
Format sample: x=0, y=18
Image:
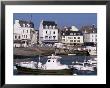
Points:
x=46, y=27
x=53, y=27
x=78, y=37
x=54, y=32
x=15, y=37
x=54, y=37
x=50, y=37
x=78, y=40
x=50, y=32
x=71, y=40
x=26, y=36
x=23, y=31
x=50, y=27
x=19, y=37
x=23, y=25
x=74, y=40
x=71, y=33
x=27, y=31
x=46, y=37
x=69, y=37
x=74, y=37
x=46, y=32
x=74, y=33
x=48, y=60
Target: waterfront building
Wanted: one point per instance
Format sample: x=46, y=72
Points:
x=48, y=32
x=90, y=35
x=24, y=34
x=90, y=38
x=71, y=36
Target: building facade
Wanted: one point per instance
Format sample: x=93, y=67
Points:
x=90, y=38
x=48, y=32
x=72, y=36
x=90, y=35
x=24, y=34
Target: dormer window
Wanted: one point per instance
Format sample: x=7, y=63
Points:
x=74, y=33
x=50, y=27
x=53, y=27
x=28, y=25
x=71, y=33
x=23, y=25
x=46, y=27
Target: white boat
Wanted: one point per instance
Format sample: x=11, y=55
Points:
x=93, y=62
x=51, y=67
x=83, y=66
x=53, y=63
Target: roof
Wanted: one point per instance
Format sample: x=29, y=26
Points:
x=71, y=33
x=89, y=29
x=48, y=23
x=21, y=22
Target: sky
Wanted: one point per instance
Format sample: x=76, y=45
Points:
x=62, y=19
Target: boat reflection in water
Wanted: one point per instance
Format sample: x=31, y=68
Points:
x=51, y=67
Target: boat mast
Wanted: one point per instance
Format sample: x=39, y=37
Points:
x=39, y=58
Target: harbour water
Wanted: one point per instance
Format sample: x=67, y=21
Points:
x=64, y=60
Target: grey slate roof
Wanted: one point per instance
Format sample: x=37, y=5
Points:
x=48, y=23
x=68, y=32
x=21, y=22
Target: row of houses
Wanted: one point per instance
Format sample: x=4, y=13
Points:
x=25, y=34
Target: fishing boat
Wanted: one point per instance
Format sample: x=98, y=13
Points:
x=51, y=67
x=83, y=66
x=80, y=66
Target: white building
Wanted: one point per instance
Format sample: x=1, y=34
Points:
x=48, y=32
x=24, y=34
x=90, y=37
x=72, y=36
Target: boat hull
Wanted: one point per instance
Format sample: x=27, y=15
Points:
x=29, y=71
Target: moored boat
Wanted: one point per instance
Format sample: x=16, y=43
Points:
x=51, y=67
